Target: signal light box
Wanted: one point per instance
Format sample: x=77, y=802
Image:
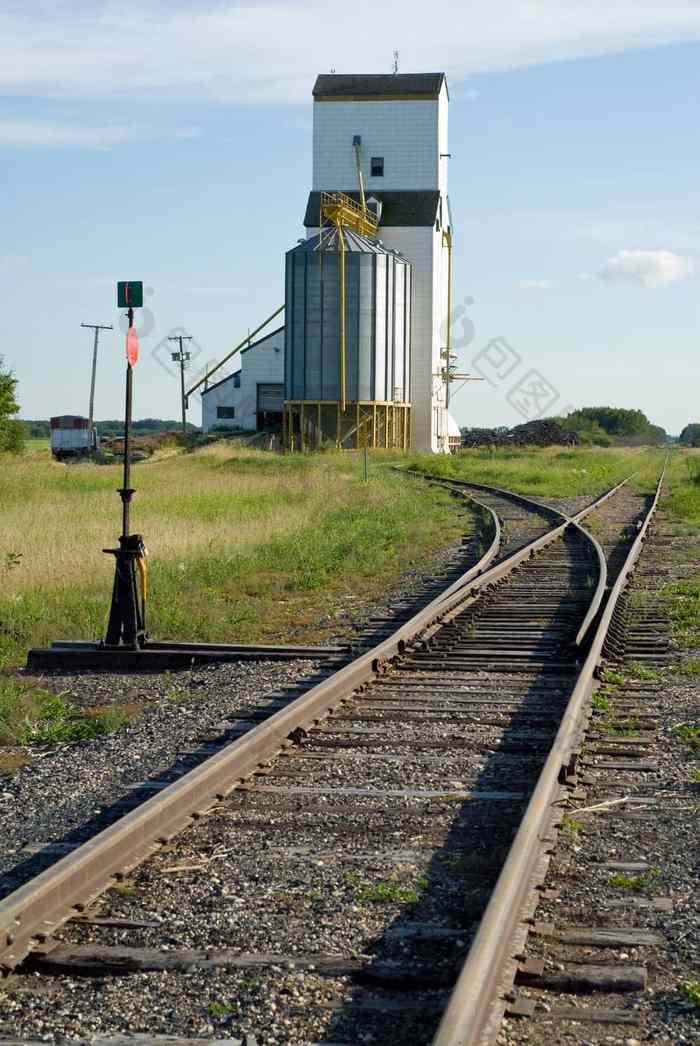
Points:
x=130, y=294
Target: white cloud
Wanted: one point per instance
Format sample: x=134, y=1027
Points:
x=534, y=285
x=647, y=268
x=269, y=51
x=26, y=134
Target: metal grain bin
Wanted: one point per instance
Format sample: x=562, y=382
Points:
x=377, y=321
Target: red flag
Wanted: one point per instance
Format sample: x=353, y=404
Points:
x=132, y=346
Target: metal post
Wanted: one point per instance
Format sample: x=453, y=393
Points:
x=97, y=328
x=341, y=313
x=127, y=616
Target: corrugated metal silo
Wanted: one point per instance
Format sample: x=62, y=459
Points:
x=371, y=406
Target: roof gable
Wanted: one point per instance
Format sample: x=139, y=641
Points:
x=359, y=86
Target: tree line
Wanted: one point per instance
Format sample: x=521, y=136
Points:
x=605, y=426
x=41, y=429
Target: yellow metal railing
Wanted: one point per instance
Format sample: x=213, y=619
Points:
x=341, y=209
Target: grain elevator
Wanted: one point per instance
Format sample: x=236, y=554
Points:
x=366, y=342
x=385, y=137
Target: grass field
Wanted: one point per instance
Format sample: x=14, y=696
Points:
x=243, y=544
x=554, y=471
x=246, y=545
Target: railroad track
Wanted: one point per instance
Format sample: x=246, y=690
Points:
x=418, y=778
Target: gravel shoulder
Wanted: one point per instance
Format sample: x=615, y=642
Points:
x=655, y=829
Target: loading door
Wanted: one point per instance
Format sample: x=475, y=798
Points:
x=270, y=405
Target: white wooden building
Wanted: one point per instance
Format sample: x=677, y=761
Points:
x=252, y=397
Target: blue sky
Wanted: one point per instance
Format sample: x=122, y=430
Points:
x=172, y=143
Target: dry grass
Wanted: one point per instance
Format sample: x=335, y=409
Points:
x=242, y=543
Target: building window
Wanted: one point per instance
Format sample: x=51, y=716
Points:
x=226, y=412
x=237, y=380
x=377, y=167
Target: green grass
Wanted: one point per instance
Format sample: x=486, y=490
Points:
x=682, y=600
x=549, y=471
x=244, y=545
x=683, y=500
x=30, y=715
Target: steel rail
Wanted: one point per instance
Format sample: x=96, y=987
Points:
x=599, y=594
x=30, y=914
x=474, y=1003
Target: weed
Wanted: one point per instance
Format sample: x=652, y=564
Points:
x=125, y=889
x=689, y=734
x=11, y=560
x=695, y=776
x=601, y=703
x=570, y=830
x=220, y=1009
x=647, y=879
x=690, y=667
x=59, y=721
x=612, y=678
x=174, y=693
x=31, y=715
x=691, y=991
x=386, y=891
x=635, y=670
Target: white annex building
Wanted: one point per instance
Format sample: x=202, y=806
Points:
x=400, y=123
x=252, y=397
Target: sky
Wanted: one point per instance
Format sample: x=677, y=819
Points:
x=171, y=143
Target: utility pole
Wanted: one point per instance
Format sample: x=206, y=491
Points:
x=97, y=328
x=182, y=357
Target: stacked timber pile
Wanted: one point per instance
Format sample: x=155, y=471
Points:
x=544, y=433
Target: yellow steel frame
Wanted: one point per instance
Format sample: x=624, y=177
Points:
x=447, y=242
x=341, y=209
x=367, y=423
